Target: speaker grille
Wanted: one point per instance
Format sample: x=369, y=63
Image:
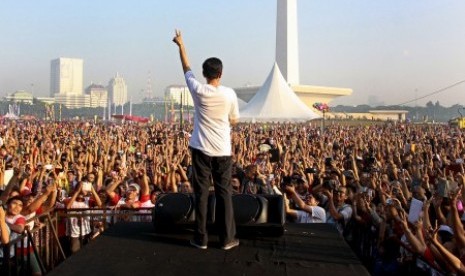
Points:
x=173, y=208
x=246, y=208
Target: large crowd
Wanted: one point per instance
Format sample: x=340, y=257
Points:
x=393, y=191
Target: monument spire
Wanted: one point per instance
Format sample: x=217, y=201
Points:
x=287, y=47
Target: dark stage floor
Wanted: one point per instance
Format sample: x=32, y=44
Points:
x=134, y=249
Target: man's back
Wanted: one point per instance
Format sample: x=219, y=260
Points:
x=214, y=106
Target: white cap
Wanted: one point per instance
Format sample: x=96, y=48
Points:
x=446, y=228
x=135, y=186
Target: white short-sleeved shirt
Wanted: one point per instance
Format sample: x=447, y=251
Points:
x=346, y=212
x=79, y=226
x=214, y=106
x=318, y=215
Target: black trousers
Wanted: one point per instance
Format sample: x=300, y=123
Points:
x=204, y=169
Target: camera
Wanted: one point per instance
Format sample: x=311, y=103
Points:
x=287, y=181
x=86, y=186
x=329, y=184
x=328, y=161
x=310, y=170
x=370, y=162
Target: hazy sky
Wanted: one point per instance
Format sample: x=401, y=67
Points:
x=390, y=49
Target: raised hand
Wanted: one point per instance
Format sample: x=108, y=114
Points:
x=178, y=38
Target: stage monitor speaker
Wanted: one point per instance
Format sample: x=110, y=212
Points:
x=259, y=215
x=179, y=209
x=276, y=209
x=253, y=214
x=173, y=208
x=249, y=209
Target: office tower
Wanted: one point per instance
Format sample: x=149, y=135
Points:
x=118, y=90
x=66, y=77
x=179, y=94
x=287, y=46
x=98, y=95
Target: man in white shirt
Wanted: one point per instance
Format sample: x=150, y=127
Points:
x=309, y=211
x=216, y=108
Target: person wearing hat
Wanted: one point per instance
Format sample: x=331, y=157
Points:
x=135, y=196
x=130, y=200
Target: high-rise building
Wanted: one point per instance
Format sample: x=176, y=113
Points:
x=66, y=77
x=66, y=82
x=178, y=94
x=73, y=101
x=118, y=90
x=98, y=95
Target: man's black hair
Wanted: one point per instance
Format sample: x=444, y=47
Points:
x=18, y=198
x=212, y=68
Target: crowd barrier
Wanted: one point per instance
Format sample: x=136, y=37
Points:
x=44, y=243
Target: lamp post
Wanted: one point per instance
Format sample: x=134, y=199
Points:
x=323, y=122
x=32, y=92
x=323, y=108
x=181, y=110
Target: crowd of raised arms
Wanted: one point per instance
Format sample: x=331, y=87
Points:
x=394, y=191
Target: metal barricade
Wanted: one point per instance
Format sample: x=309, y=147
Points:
x=42, y=246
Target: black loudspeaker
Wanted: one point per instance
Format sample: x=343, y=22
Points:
x=173, y=208
x=249, y=209
x=259, y=214
x=276, y=213
x=177, y=210
x=253, y=214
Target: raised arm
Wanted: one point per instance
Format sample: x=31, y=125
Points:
x=73, y=198
x=450, y=258
x=293, y=194
x=98, y=201
x=110, y=190
x=4, y=231
x=38, y=201
x=459, y=233
x=182, y=51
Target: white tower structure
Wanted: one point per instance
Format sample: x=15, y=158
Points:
x=118, y=90
x=287, y=59
x=287, y=46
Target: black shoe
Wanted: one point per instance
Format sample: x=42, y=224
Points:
x=198, y=245
x=230, y=245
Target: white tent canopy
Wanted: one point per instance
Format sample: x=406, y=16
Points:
x=241, y=103
x=276, y=102
x=11, y=116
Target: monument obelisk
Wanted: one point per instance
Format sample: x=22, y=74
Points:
x=287, y=46
x=287, y=59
